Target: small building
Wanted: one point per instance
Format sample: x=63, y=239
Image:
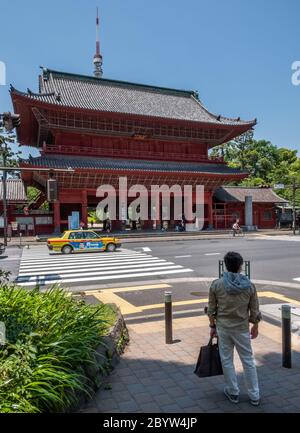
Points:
x=23, y=216
x=229, y=205
x=15, y=196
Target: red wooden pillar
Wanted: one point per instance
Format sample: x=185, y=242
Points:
x=56, y=210
x=210, y=210
x=84, y=208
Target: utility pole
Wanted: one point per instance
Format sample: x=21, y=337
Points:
x=4, y=177
x=294, y=188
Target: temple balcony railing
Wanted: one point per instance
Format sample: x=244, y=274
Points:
x=96, y=124
x=125, y=153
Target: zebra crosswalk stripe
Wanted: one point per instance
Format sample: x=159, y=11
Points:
x=42, y=269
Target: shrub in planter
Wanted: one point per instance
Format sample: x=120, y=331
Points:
x=51, y=344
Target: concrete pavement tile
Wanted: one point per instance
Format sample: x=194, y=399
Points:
x=163, y=399
x=185, y=401
x=122, y=396
x=105, y=404
x=157, y=375
x=125, y=371
x=176, y=391
x=295, y=401
x=171, y=408
x=206, y=404
x=146, y=380
x=135, y=388
x=89, y=409
x=141, y=373
x=187, y=384
x=291, y=409
x=277, y=400
x=167, y=383
x=217, y=410
x=195, y=394
x=154, y=389
x=150, y=407
x=128, y=406
x=129, y=379
x=116, y=384
x=193, y=409
x=270, y=408
x=143, y=397
x=113, y=411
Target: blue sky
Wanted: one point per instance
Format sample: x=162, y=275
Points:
x=236, y=53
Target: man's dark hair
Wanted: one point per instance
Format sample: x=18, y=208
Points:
x=233, y=261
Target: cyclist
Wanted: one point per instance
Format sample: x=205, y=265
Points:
x=236, y=227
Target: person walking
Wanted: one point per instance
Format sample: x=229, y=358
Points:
x=233, y=306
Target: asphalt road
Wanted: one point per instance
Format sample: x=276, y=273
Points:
x=136, y=277
x=274, y=260
x=270, y=259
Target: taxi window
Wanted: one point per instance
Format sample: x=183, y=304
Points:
x=75, y=235
x=90, y=235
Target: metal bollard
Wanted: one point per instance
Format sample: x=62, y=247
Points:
x=221, y=268
x=247, y=269
x=286, y=336
x=168, y=317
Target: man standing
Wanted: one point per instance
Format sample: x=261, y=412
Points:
x=233, y=305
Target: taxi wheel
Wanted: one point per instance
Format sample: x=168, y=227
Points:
x=110, y=248
x=67, y=249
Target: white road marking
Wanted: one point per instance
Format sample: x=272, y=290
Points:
x=84, y=264
x=37, y=268
x=112, y=268
x=289, y=238
x=179, y=257
x=212, y=254
x=58, y=276
x=109, y=277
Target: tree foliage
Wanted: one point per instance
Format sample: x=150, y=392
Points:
x=265, y=163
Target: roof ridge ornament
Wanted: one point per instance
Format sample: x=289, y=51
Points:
x=45, y=73
x=98, y=72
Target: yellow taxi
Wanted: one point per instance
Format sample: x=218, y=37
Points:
x=73, y=241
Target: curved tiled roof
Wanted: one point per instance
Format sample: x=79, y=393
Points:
x=64, y=161
x=85, y=92
x=238, y=194
x=15, y=190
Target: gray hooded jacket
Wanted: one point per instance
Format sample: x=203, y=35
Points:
x=233, y=301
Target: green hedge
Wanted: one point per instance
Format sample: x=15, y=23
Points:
x=51, y=341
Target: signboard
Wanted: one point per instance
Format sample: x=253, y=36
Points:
x=279, y=186
x=75, y=220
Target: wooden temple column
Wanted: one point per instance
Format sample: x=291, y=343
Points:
x=210, y=210
x=56, y=216
x=117, y=224
x=84, y=208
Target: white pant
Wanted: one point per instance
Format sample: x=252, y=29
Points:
x=228, y=339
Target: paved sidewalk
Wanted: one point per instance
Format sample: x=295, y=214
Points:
x=155, y=377
x=157, y=236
